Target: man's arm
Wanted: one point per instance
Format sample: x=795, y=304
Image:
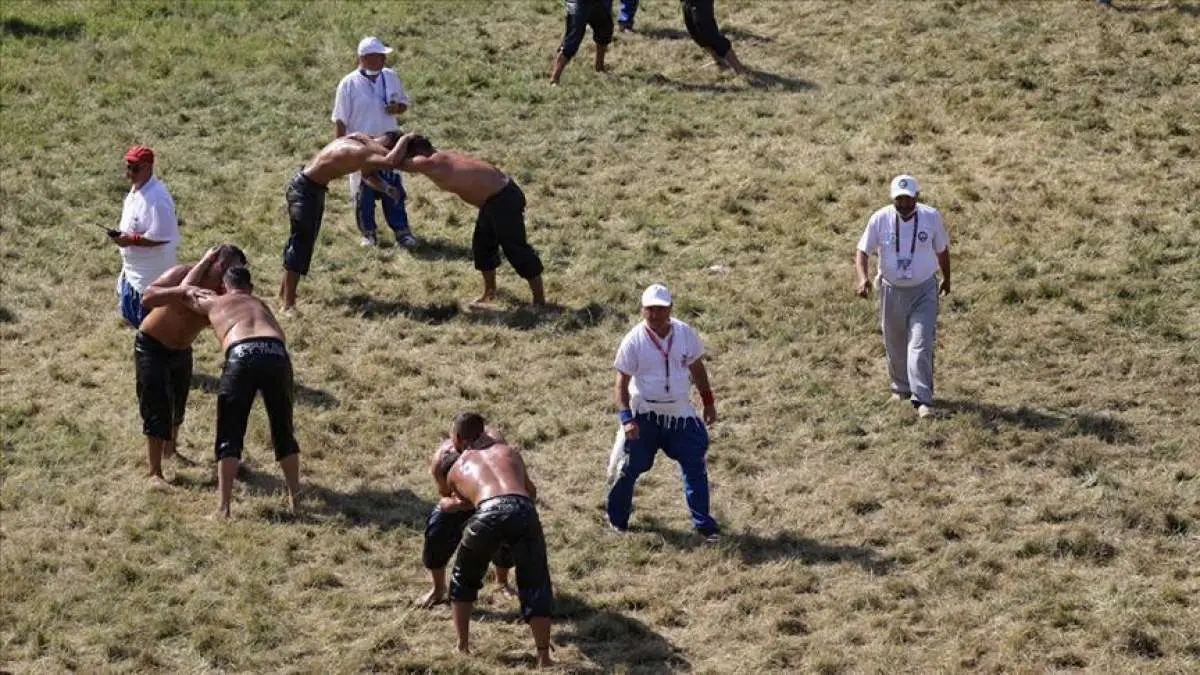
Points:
x=372, y=179
x=443, y=487
x=863, y=285
x=166, y=288
x=200, y=270
x=943, y=258
x=621, y=398
x=529, y=486
x=339, y=129
x=700, y=378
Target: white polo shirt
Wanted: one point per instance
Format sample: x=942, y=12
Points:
x=360, y=103
x=149, y=212
x=661, y=380
x=921, y=246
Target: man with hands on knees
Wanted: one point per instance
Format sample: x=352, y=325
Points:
x=658, y=361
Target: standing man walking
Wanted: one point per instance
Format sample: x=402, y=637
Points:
x=148, y=234
x=912, y=243
x=658, y=361
x=580, y=15
x=367, y=101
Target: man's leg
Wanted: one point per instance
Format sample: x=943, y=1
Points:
x=508, y=227
x=478, y=546
x=893, y=313
x=922, y=336
x=154, y=455
x=576, y=24
x=276, y=385
x=528, y=549
x=639, y=459
x=485, y=249
x=305, y=211
x=395, y=212
x=462, y=624
x=629, y=10
x=687, y=443
x=443, y=530
x=602, y=30
x=152, y=371
x=227, y=469
x=364, y=213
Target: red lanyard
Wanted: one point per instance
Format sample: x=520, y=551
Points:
x=665, y=352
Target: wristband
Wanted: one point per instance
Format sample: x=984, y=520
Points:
x=626, y=416
x=707, y=397
x=133, y=237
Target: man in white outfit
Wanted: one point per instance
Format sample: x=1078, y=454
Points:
x=367, y=101
x=912, y=244
x=148, y=234
x=657, y=363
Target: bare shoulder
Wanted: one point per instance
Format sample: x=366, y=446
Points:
x=173, y=276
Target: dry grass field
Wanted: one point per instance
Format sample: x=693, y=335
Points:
x=1049, y=521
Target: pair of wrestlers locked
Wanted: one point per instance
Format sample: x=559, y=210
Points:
x=501, y=203
x=486, y=508
x=182, y=302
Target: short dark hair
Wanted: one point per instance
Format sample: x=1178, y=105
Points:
x=389, y=139
x=418, y=146
x=470, y=426
x=230, y=254
x=238, y=278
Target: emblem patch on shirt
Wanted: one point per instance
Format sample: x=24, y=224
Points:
x=922, y=236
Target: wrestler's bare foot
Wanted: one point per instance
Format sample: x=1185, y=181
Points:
x=432, y=599
x=463, y=649
x=159, y=484
x=507, y=591
x=544, y=660
x=485, y=299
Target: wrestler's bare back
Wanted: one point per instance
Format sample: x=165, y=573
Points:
x=238, y=316
x=472, y=179
x=490, y=472
x=342, y=156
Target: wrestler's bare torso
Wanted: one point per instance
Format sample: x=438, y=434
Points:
x=472, y=179
x=174, y=325
x=345, y=155
x=238, y=316
x=494, y=471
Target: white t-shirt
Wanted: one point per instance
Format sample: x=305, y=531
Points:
x=360, y=103
x=921, y=247
x=150, y=212
x=660, y=383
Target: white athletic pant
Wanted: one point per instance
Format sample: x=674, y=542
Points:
x=908, y=316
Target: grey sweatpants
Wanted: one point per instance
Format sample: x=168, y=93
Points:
x=908, y=316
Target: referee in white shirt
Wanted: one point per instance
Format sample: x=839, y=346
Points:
x=657, y=363
x=148, y=234
x=912, y=244
x=367, y=100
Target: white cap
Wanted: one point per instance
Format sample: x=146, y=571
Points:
x=656, y=295
x=372, y=45
x=905, y=185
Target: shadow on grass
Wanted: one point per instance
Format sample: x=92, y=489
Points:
x=1107, y=429
x=304, y=395
x=733, y=33
x=435, y=314
x=758, y=79
x=440, y=249
x=1191, y=9
x=18, y=28
x=611, y=640
x=7, y=316
x=363, y=507
x=756, y=549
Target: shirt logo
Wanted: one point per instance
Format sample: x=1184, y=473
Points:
x=922, y=236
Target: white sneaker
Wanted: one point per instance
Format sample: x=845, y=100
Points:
x=896, y=396
x=367, y=242
x=925, y=411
